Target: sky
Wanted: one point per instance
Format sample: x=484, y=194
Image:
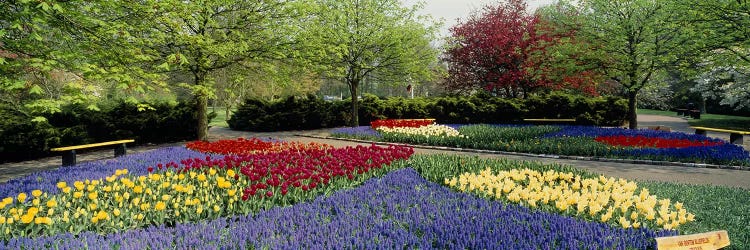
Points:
x=451, y=10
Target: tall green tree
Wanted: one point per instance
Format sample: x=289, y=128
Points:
x=39, y=57
x=638, y=37
x=358, y=39
x=723, y=73
x=197, y=38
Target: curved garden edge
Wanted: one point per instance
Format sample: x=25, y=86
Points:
x=567, y=157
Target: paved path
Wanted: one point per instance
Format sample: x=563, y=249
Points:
x=724, y=177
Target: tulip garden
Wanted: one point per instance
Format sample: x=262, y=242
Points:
x=268, y=194
x=587, y=141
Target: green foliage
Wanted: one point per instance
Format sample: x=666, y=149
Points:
x=24, y=139
x=354, y=40
x=76, y=124
x=636, y=39
x=289, y=114
x=715, y=208
x=312, y=113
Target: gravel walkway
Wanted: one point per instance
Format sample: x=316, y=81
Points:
x=690, y=175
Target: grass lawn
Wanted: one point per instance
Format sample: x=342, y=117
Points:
x=707, y=120
x=657, y=112
x=220, y=119
x=722, y=121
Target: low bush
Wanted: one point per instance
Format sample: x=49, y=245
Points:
x=25, y=139
x=311, y=112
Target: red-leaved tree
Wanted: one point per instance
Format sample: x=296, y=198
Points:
x=502, y=48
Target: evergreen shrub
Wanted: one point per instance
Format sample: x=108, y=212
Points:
x=299, y=113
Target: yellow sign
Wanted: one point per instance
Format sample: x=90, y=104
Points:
x=703, y=241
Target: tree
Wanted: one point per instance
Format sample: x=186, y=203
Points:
x=503, y=49
x=269, y=81
x=723, y=74
x=197, y=38
x=490, y=50
x=638, y=37
x=39, y=57
x=357, y=39
x=730, y=85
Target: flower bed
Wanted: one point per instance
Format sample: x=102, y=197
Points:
x=576, y=141
x=401, y=123
x=399, y=210
x=196, y=189
x=241, y=146
x=424, y=131
x=603, y=199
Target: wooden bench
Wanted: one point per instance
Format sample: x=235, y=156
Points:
x=692, y=113
x=69, y=153
x=544, y=120
x=735, y=137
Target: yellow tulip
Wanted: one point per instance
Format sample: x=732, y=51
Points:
x=36, y=193
x=77, y=194
x=21, y=197
x=93, y=195
x=2, y=219
x=160, y=206
x=61, y=185
x=102, y=215
x=27, y=218
x=116, y=212
x=79, y=185
x=94, y=219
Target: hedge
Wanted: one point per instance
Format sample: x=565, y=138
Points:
x=24, y=139
x=295, y=113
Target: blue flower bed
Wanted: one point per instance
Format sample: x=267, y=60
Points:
x=591, y=131
x=400, y=210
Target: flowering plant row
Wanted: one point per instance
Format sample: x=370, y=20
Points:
x=396, y=211
x=195, y=189
x=599, y=199
x=250, y=146
x=401, y=123
x=576, y=140
x=426, y=131
x=641, y=141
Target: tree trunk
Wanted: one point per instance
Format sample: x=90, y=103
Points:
x=355, y=103
x=201, y=109
x=632, y=108
x=202, y=112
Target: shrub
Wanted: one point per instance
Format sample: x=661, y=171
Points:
x=24, y=139
x=311, y=112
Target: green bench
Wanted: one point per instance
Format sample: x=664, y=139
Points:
x=735, y=136
x=69, y=153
